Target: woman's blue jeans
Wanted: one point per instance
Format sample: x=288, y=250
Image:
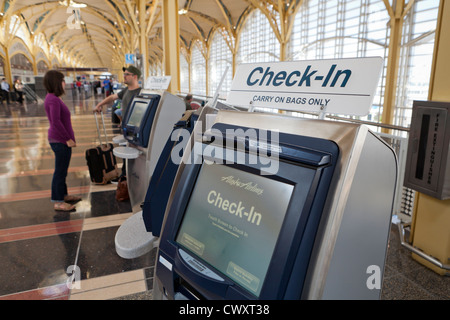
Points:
x=63, y=153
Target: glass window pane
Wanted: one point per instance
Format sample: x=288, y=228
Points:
x=416, y=58
x=220, y=58
x=198, y=72
x=258, y=42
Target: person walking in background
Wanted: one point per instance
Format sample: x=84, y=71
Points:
x=18, y=88
x=61, y=138
x=187, y=100
x=78, y=84
x=107, y=87
x=5, y=90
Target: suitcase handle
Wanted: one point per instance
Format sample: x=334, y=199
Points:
x=98, y=129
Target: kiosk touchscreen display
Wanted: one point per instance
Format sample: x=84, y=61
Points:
x=233, y=221
x=137, y=113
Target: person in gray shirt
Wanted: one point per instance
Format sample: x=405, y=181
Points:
x=131, y=77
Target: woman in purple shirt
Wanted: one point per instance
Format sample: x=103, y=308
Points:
x=61, y=138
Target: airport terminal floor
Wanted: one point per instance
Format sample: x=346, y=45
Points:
x=40, y=247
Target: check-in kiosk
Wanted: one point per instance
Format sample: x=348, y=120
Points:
x=276, y=207
x=139, y=119
x=146, y=126
x=140, y=233
x=163, y=178
x=308, y=224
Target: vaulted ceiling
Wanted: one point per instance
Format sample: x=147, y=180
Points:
x=110, y=28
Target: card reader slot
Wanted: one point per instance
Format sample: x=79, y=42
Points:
x=263, y=144
x=185, y=289
x=216, y=287
x=306, y=156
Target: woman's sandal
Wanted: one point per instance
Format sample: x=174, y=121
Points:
x=63, y=206
x=71, y=199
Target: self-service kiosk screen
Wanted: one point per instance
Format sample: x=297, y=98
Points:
x=137, y=113
x=233, y=221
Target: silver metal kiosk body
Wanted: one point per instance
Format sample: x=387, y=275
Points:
x=349, y=250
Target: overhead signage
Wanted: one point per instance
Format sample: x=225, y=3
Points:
x=157, y=83
x=129, y=58
x=340, y=86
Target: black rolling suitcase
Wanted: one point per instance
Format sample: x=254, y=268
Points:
x=101, y=161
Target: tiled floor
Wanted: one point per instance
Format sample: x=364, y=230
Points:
x=406, y=279
x=40, y=248
x=37, y=244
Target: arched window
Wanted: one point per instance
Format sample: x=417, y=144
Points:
x=2, y=64
x=155, y=68
x=21, y=65
x=342, y=29
x=184, y=74
x=416, y=58
x=360, y=28
x=258, y=42
x=220, y=58
x=198, y=72
x=42, y=67
x=17, y=28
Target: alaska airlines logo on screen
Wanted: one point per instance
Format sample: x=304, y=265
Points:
x=250, y=186
x=341, y=86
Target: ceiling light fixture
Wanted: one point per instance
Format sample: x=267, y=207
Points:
x=72, y=4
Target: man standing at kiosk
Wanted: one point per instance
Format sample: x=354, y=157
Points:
x=131, y=77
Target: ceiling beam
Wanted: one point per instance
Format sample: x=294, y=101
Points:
x=132, y=16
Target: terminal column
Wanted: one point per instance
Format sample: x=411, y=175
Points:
x=431, y=225
x=143, y=39
x=171, y=32
x=7, y=67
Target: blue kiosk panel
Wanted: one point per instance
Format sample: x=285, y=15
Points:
x=139, y=117
x=158, y=191
x=234, y=232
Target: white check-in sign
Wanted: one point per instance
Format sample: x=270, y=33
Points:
x=342, y=86
x=157, y=83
